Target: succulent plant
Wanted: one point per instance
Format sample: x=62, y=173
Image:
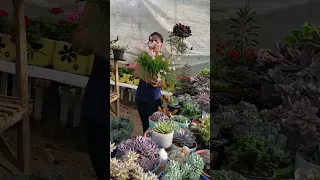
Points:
x=184, y=137
x=310, y=151
x=159, y=116
x=190, y=110
x=241, y=113
x=165, y=127
x=251, y=156
x=302, y=116
x=127, y=168
x=206, y=159
x=185, y=98
x=226, y=175
x=205, y=130
x=180, y=119
x=306, y=174
x=190, y=170
x=120, y=129
x=54, y=174
x=180, y=155
x=300, y=61
x=144, y=147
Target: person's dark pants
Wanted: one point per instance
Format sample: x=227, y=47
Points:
x=96, y=117
x=146, y=109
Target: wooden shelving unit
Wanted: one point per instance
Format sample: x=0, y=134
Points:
x=15, y=110
x=115, y=95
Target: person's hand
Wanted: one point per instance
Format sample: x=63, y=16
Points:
x=156, y=83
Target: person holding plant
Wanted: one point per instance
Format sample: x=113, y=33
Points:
x=149, y=91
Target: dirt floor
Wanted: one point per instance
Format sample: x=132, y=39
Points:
x=67, y=155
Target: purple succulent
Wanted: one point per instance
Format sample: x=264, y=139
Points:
x=145, y=147
x=159, y=116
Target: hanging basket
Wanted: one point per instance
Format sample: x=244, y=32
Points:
x=118, y=54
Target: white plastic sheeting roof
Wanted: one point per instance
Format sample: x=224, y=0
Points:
x=134, y=20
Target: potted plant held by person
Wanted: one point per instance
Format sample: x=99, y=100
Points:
x=162, y=133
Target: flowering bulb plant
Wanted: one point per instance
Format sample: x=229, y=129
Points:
x=154, y=63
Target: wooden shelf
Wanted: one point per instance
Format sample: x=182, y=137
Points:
x=11, y=111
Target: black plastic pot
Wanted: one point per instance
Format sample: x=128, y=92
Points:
x=118, y=54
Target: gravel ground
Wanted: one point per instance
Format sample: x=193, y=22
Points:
x=69, y=154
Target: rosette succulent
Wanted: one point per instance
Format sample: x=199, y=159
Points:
x=302, y=116
x=120, y=129
x=190, y=170
x=144, y=147
x=191, y=110
x=226, y=175
x=180, y=119
x=159, y=116
x=184, y=137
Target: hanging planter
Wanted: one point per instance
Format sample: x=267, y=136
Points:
x=7, y=48
x=118, y=52
x=40, y=53
x=67, y=60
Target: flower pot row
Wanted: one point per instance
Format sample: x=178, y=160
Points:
x=49, y=53
x=125, y=78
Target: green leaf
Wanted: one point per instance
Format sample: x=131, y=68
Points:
x=296, y=32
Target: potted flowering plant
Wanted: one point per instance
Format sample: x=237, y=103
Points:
x=65, y=57
x=177, y=39
x=40, y=41
x=130, y=79
x=7, y=47
x=154, y=63
x=123, y=74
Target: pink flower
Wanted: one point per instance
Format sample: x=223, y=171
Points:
x=133, y=66
x=74, y=15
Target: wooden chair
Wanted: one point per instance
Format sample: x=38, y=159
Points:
x=115, y=95
x=15, y=110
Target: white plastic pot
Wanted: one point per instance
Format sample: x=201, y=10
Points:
x=304, y=164
x=163, y=140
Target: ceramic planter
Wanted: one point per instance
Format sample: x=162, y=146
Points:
x=130, y=79
x=163, y=140
x=136, y=82
x=156, y=166
x=118, y=54
x=300, y=162
x=90, y=65
x=67, y=60
x=202, y=177
x=7, y=48
x=41, y=53
x=123, y=78
x=175, y=147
